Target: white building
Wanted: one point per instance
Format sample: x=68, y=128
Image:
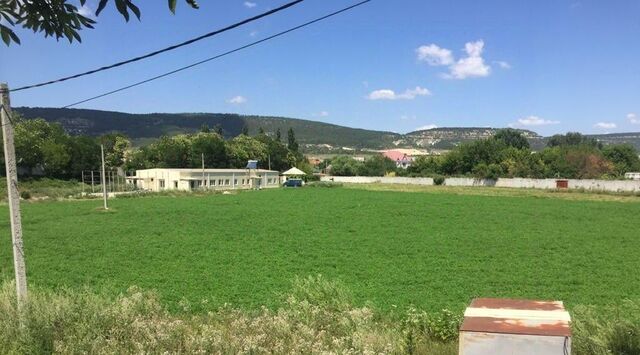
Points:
x=215, y=179
x=632, y=176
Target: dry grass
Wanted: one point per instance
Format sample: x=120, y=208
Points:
x=573, y=195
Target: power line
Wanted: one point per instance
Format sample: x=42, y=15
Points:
x=220, y=55
x=170, y=48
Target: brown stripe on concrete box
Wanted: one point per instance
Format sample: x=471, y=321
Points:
x=509, y=316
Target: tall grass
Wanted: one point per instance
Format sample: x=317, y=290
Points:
x=317, y=317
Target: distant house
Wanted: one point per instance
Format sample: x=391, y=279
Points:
x=214, y=179
x=632, y=176
x=401, y=159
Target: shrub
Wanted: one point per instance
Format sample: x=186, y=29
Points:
x=25, y=195
x=438, y=180
x=324, y=184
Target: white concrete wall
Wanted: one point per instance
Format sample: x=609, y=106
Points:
x=378, y=179
x=593, y=185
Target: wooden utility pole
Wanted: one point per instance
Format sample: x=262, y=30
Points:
x=14, y=196
x=104, y=179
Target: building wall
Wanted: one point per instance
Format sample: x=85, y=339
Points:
x=593, y=185
x=176, y=179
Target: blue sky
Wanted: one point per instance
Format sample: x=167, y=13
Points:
x=551, y=66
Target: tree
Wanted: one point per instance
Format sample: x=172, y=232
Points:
x=212, y=146
x=292, y=144
x=59, y=18
x=512, y=138
x=116, y=146
x=205, y=128
x=245, y=130
x=85, y=155
x=218, y=129
x=624, y=158
x=172, y=152
x=345, y=166
x=573, y=139
x=278, y=135
x=243, y=148
x=40, y=144
x=377, y=165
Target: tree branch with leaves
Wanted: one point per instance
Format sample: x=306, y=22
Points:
x=59, y=18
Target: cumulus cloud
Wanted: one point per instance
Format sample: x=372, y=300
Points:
x=470, y=66
x=237, y=100
x=633, y=118
x=533, y=121
x=434, y=55
x=605, y=125
x=249, y=4
x=425, y=127
x=409, y=94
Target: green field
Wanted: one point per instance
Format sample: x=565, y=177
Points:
x=432, y=249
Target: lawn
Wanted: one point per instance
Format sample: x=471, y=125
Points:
x=391, y=249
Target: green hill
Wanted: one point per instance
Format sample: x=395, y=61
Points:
x=313, y=136
x=144, y=127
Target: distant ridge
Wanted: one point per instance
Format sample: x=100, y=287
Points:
x=314, y=136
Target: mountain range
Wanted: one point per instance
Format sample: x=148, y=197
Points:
x=314, y=136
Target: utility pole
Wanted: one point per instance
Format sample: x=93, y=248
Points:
x=104, y=179
x=14, y=196
x=269, y=161
x=203, y=180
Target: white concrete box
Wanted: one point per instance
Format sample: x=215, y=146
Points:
x=495, y=326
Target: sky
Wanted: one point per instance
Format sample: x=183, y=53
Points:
x=551, y=66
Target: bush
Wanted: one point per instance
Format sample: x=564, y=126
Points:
x=25, y=195
x=438, y=180
x=324, y=184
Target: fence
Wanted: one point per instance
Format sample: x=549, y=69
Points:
x=592, y=185
x=91, y=181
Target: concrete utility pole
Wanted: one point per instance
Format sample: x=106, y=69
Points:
x=14, y=197
x=104, y=179
x=203, y=180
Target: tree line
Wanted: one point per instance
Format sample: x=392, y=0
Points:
x=45, y=149
x=508, y=154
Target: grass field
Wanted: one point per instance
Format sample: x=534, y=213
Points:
x=433, y=249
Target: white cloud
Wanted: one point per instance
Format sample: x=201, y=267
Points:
x=237, y=100
x=502, y=64
x=533, y=121
x=471, y=66
x=425, y=127
x=249, y=4
x=253, y=33
x=434, y=55
x=321, y=114
x=407, y=117
x=409, y=94
x=633, y=118
x=605, y=125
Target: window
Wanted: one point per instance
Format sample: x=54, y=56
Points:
x=235, y=182
x=212, y=182
x=161, y=183
x=226, y=182
x=175, y=184
x=220, y=182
